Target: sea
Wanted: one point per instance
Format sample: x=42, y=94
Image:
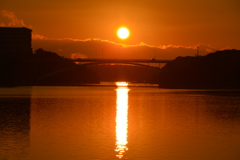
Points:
x=118, y=122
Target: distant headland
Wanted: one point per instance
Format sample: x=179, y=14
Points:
x=218, y=70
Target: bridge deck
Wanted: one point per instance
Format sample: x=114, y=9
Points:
x=100, y=60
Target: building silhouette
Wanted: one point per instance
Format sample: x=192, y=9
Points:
x=15, y=41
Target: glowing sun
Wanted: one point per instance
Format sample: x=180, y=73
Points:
x=123, y=33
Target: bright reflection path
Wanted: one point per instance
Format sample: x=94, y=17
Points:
x=121, y=121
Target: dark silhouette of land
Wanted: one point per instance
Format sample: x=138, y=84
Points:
x=19, y=66
x=43, y=68
x=219, y=70
x=48, y=68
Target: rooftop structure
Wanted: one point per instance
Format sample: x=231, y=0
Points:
x=16, y=41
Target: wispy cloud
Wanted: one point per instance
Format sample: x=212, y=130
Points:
x=78, y=55
x=141, y=44
x=97, y=48
x=82, y=48
x=13, y=20
x=38, y=36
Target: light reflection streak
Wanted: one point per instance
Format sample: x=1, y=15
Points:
x=121, y=121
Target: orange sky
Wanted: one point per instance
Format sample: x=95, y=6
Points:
x=187, y=23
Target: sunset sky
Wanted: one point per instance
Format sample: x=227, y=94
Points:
x=88, y=27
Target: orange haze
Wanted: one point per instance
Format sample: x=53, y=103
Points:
x=173, y=28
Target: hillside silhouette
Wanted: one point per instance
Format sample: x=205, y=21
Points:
x=218, y=70
x=43, y=68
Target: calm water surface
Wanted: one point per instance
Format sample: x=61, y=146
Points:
x=106, y=123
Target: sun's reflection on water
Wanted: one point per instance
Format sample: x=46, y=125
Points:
x=121, y=121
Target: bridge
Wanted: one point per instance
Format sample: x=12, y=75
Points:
x=97, y=61
x=128, y=61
